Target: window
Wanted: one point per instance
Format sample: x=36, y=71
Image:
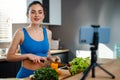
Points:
x=5, y=24
x=17, y=11
x=11, y=11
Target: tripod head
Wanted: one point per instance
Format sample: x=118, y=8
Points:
x=95, y=37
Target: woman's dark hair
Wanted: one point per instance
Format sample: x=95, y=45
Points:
x=33, y=3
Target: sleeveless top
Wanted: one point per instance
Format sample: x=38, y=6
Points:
x=30, y=45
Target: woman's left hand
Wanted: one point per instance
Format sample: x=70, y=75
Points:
x=54, y=58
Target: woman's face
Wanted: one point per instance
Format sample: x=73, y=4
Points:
x=36, y=14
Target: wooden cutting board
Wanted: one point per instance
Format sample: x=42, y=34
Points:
x=65, y=74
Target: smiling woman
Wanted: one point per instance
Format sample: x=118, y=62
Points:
x=34, y=42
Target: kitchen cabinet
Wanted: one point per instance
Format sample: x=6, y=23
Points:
x=55, y=12
x=63, y=54
x=9, y=69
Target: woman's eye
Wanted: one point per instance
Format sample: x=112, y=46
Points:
x=32, y=12
x=40, y=12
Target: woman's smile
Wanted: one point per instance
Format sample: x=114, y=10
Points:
x=36, y=19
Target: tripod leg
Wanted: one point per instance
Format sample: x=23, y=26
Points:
x=93, y=70
x=87, y=71
x=106, y=71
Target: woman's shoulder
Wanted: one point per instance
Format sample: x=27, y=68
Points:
x=18, y=36
x=19, y=31
x=49, y=31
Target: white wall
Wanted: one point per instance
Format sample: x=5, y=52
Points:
x=77, y=13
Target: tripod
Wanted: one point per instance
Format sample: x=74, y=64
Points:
x=94, y=56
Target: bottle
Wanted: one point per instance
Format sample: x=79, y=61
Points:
x=117, y=50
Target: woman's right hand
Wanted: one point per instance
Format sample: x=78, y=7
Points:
x=36, y=59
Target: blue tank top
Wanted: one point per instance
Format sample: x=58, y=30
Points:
x=30, y=45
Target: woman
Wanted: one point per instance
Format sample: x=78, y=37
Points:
x=34, y=42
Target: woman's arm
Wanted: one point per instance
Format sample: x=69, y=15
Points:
x=49, y=33
x=50, y=57
x=17, y=39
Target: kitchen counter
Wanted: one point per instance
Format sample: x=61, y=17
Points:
x=7, y=67
x=3, y=56
x=59, y=51
x=113, y=66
